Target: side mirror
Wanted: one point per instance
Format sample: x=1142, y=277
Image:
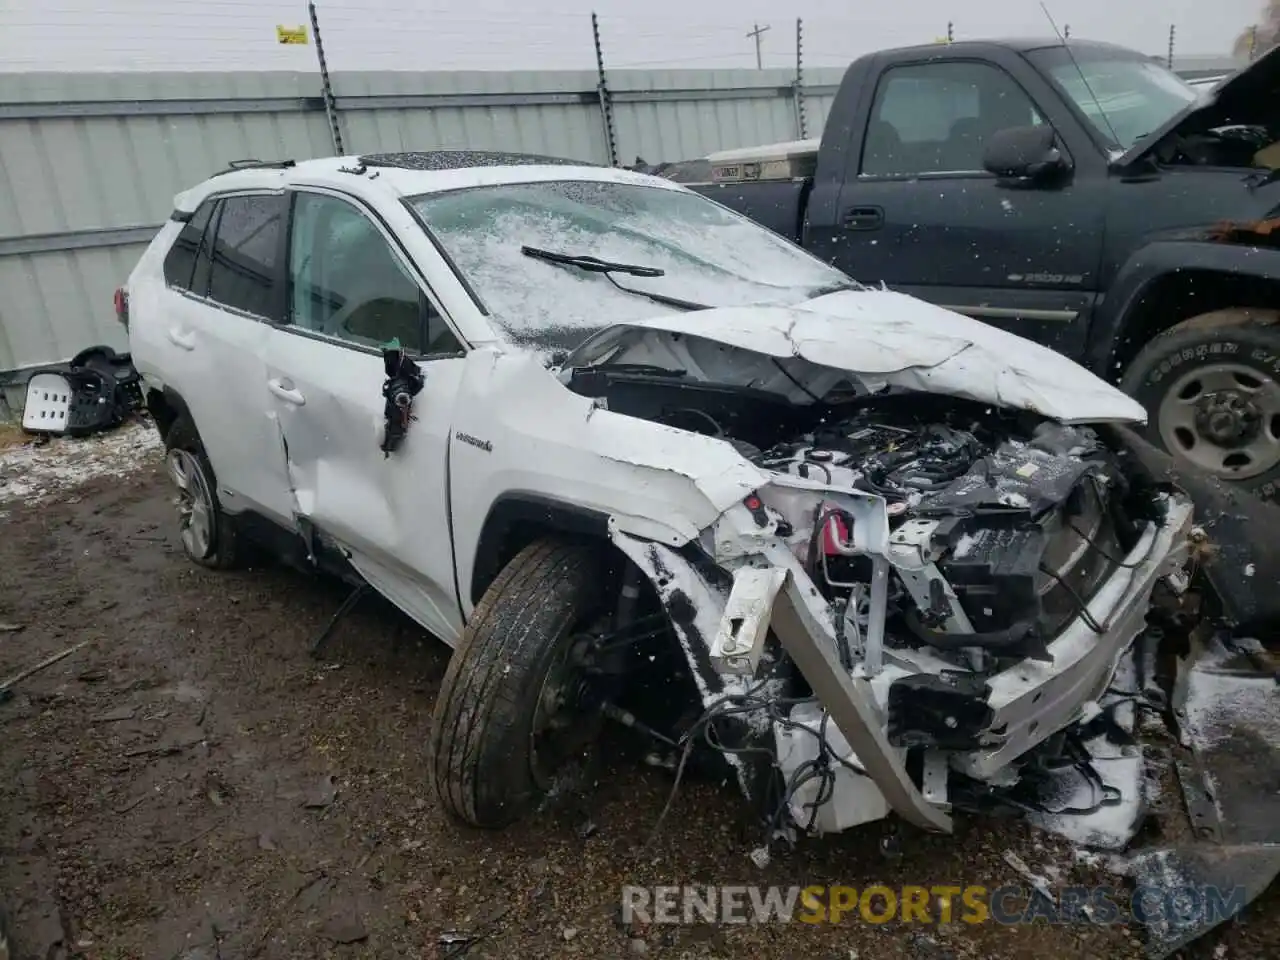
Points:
x=1024, y=153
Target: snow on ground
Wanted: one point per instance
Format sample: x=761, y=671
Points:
x=1217, y=702
x=40, y=472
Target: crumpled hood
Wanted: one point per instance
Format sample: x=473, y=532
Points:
x=1236, y=99
x=899, y=340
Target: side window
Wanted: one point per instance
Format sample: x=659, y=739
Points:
x=346, y=282
x=180, y=261
x=245, y=252
x=937, y=117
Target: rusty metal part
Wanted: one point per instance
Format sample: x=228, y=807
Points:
x=1198, y=798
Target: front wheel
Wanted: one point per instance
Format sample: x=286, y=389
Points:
x=1211, y=387
x=516, y=708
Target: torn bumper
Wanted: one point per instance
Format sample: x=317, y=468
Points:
x=723, y=609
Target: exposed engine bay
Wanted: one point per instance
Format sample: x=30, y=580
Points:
x=971, y=576
x=1022, y=525
x=1229, y=146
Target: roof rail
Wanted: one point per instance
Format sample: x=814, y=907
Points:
x=251, y=164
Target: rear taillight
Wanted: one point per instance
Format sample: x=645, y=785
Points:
x=122, y=305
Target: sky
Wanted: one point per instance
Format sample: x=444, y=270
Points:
x=88, y=35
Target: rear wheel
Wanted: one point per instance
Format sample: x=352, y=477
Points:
x=208, y=535
x=1211, y=387
x=517, y=708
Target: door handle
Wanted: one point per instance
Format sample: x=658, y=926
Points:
x=864, y=218
x=180, y=338
x=286, y=393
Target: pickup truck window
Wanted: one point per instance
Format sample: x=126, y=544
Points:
x=707, y=254
x=1124, y=97
x=935, y=117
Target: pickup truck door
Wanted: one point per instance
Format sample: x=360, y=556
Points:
x=352, y=291
x=918, y=212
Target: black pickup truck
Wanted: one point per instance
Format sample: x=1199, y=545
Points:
x=1078, y=194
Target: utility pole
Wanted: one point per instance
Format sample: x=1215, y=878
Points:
x=756, y=34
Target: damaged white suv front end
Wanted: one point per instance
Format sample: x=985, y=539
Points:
x=925, y=590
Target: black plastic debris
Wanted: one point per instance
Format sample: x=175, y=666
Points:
x=1241, y=557
x=97, y=390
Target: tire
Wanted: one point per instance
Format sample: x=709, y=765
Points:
x=483, y=759
x=1211, y=388
x=219, y=548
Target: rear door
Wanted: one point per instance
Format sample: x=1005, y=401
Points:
x=352, y=289
x=919, y=213
x=225, y=276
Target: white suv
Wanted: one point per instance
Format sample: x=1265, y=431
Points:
x=579, y=421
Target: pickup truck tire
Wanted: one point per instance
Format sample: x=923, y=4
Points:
x=208, y=535
x=1211, y=387
x=487, y=768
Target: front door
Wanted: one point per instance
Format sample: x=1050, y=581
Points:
x=351, y=292
x=922, y=216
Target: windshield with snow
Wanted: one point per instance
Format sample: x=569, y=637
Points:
x=1124, y=97
x=705, y=254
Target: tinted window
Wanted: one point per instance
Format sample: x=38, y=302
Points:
x=936, y=117
x=245, y=252
x=346, y=282
x=204, y=258
x=180, y=261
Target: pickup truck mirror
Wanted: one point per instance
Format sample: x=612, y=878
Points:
x=1023, y=153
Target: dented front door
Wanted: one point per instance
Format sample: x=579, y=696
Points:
x=350, y=294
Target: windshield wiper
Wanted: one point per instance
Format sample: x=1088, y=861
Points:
x=608, y=268
x=591, y=264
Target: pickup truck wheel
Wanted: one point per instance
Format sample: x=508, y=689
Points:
x=515, y=708
x=1211, y=387
x=208, y=535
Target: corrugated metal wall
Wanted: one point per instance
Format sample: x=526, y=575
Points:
x=89, y=163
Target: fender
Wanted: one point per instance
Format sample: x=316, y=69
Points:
x=1146, y=266
x=165, y=406
x=515, y=510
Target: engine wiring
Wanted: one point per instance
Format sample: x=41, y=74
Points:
x=898, y=465
x=820, y=767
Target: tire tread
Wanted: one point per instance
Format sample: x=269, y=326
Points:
x=480, y=722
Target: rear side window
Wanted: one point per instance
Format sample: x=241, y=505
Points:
x=179, y=263
x=245, y=273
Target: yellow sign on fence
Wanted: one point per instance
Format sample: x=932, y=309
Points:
x=291, y=34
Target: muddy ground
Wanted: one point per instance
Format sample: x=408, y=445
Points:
x=191, y=784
